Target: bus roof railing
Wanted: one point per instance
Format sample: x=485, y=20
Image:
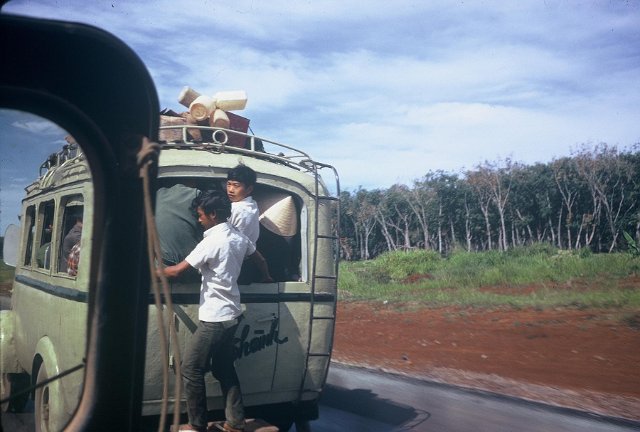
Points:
x=255, y=146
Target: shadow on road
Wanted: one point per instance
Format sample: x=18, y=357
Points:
x=368, y=404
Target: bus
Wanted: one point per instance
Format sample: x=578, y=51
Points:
x=284, y=341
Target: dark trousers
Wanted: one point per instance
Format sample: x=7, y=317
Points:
x=211, y=348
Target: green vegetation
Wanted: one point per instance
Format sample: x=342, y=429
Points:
x=632, y=245
x=592, y=197
x=536, y=276
x=6, y=273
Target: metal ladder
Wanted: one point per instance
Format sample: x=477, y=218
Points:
x=333, y=236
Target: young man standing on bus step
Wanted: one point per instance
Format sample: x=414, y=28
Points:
x=218, y=257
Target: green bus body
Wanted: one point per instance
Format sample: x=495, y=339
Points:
x=284, y=342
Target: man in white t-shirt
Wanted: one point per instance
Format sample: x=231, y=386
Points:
x=245, y=214
x=244, y=211
x=218, y=257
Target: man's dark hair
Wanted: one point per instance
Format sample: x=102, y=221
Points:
x=211, y=201
x=243, y=174
x=76, y=213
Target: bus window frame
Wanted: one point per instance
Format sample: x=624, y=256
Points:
x=46, y=216
x=30, y=233
x=67, y=204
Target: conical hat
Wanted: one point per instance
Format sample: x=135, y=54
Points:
x=278, y=215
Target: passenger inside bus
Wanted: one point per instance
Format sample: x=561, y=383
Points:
x=73, y=259
x=71, y=240
x=278, y=242
x=177, y=224
x=43, y=257
x=43, y=254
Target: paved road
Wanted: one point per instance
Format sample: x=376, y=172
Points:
x=358, y=400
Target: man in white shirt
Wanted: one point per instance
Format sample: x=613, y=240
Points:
x=218, y=257
x=244, y=210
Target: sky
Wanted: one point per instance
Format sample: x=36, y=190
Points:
x=387, y=91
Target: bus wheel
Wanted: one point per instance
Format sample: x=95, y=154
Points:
x=13, y=384
x=42, y=402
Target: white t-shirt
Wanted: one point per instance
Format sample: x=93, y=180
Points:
x=219, y=258
x=246, y=217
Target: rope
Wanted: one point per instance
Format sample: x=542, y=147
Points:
x=147, y=158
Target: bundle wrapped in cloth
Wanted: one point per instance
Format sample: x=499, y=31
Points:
x=171, y=118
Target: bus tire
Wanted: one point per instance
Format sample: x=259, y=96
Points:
x=41, y=402
x=11, y=385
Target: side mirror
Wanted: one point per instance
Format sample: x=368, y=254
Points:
x=10, y=245
x=97, y=89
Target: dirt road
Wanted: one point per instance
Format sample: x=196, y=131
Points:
x=584, y=359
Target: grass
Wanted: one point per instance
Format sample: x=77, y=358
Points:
x=6, y=278
x=6, y=273
x=536, y=276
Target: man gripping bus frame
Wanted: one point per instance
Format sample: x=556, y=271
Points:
x=218, y=257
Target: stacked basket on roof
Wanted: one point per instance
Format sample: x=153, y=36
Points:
x=206, y=110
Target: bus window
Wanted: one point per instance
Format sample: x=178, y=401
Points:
x=70, y=234
x=30, y=221
x=45, y=228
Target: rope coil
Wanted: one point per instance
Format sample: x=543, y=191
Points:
x=147, y=158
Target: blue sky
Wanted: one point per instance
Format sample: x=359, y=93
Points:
x=389, y=90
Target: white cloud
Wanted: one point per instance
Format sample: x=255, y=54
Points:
x=390, y=90
x=40, y=127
